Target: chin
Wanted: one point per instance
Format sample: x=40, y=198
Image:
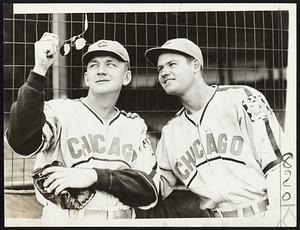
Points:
x=171, y=91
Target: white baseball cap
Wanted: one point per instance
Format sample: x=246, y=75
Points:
x=178, y=45
x=106, y=46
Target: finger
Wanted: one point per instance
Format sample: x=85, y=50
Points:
x=46, y=47
x=60, y=188
x=52, y=169
x=51, y=48
x=50, y=40
x=54, y=185
x=50, y=36
x=51, y=51
x=52, y=178
x=135, y=115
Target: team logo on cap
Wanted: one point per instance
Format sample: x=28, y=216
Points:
x=102, y=44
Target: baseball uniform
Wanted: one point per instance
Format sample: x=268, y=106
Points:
x=224, y=151
x=70, y=131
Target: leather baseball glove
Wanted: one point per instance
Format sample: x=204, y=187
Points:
x=70, y=198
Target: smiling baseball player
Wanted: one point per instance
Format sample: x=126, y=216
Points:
x=97, y=144
x=225, y=144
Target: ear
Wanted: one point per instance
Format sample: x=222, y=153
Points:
x=86, y=81
x=127, y=78
x=197, y=65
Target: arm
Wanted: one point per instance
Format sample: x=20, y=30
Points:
x=269, y=146
x=135, y=187
x=27, y=119
x=138, y=186
x=273, y=190
x=167, y=179
x=24, y=132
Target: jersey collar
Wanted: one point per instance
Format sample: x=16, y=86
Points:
x=115, y=117
x=189, y=118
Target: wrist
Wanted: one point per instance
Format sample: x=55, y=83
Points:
x=40, y=70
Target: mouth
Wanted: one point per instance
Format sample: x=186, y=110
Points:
x=102, y=80
x=168, y=80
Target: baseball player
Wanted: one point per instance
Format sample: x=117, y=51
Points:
x=98, y=144
x=224, y=145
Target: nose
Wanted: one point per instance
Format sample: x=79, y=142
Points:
x=164, y=73
x=101, y=70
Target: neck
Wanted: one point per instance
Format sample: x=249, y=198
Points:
x=197, y=98
x=103, y=106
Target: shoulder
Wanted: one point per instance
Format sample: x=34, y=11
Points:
x=236, y=94
x=63, y=105
x=132, y=118
x=174, y=121
x=235, y=90
x=249, y=99
x=63, y=102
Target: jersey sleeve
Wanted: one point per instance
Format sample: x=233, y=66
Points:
x=24, y=133
x=265, y=134
x=30, y=128
x=167, y=179
x=137, y=186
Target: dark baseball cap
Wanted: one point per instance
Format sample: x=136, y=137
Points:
x=104, y=46
x=178, y=45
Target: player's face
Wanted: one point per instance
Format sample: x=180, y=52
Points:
x=106, y=74
x=175, y=73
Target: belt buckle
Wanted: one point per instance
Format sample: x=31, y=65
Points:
x=214, y=214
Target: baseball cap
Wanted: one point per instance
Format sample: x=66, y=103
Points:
x=178, y=45
x=106, y=46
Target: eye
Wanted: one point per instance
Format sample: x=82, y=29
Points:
x=172, y=64
x=111, y=64
x=159, y=69
x=93, y=65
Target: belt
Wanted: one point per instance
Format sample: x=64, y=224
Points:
x=108, y=214
x=245, y=212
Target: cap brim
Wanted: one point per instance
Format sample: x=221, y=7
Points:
x=88, y=56
x=153, y=53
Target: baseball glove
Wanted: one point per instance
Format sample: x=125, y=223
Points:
x=70, y=198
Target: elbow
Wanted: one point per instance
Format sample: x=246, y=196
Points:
x=149, y=198
x=146, y=199
x=145, y=196
x=21, y=146
x=20, y=149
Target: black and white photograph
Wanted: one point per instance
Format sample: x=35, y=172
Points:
x=149, y=114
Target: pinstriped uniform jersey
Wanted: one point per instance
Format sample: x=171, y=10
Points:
x=224, y=151
x=74, y=134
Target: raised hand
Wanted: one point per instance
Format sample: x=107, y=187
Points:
x=45, y=51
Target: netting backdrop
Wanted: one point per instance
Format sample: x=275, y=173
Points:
x=239, y=47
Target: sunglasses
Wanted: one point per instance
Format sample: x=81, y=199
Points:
x=76, y=41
